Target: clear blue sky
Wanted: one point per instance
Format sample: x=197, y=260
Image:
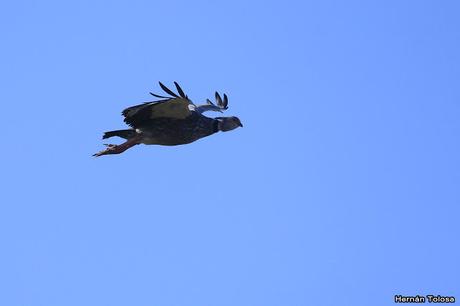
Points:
x=341, y=189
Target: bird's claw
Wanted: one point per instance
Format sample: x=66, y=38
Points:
x=109, y=150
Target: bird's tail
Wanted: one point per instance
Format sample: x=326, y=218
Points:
x=126, y=134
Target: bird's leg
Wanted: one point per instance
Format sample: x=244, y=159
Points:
x=117, y=149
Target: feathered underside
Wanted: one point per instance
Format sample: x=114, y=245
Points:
x=174, y=106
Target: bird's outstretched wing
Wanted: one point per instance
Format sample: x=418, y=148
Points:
x=209, y=106
x=175, y=106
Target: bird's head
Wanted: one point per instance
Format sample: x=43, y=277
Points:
x=228, y=123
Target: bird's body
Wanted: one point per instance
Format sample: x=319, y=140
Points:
x=170, y=122
x=172, y=132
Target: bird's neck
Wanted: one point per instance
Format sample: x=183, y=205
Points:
x=216, y=125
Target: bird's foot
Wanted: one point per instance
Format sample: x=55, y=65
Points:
x=117, y=149
x=111, y=149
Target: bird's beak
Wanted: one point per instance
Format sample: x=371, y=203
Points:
x=241, y=124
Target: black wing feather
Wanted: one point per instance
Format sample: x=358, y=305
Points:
x=158, y=96
x=225, y=103
x=167, y=90
x=218, y=99
x=181, y=92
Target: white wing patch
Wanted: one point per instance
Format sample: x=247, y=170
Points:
x=191, y=107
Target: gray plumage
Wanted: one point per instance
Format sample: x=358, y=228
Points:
x=174, y=120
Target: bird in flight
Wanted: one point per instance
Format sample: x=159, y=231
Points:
x=172, y=120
